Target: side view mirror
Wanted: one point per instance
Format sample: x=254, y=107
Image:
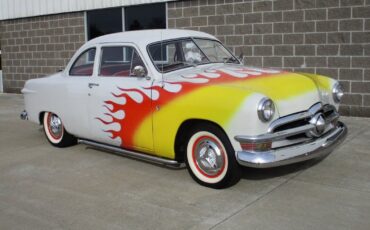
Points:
x=139, y=71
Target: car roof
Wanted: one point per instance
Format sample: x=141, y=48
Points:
x=145, y=37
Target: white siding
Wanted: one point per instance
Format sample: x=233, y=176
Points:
x=10, y=9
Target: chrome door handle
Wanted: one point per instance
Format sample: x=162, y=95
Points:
x=93, y=84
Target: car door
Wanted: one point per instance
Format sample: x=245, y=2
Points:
x=76, y=93
x=120, y=103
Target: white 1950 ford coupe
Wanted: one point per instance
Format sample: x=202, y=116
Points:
x=179, y=96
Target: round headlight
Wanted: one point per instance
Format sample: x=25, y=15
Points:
x=266, y=109
x=337, y=92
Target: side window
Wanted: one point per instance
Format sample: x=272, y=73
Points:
x=119, y=61
x=84, y=64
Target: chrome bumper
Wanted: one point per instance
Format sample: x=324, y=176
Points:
x=24, y=115
x=316, y=148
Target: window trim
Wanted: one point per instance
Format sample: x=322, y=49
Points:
x=119, y=45
x=76, y=59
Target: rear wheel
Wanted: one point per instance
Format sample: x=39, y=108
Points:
x=55, y=131
x=210, y=158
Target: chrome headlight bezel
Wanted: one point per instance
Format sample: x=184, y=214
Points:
x=266, y=109
x=337, y=92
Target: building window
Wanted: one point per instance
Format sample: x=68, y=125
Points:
x=107, y=21
x=151, y=16
x=101, y=22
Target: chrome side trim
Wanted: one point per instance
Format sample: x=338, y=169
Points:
x=295, y=117
x=320, y=147
x=133, y=154
x=24, y=115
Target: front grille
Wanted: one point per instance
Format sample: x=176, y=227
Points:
x=328, y=111
x=302, y=119
x=297, y=136
x=291, y=125
x=304, y=127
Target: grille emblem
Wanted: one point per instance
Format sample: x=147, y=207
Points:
x=320, y=124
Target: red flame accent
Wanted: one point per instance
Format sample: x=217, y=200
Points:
x=135, y=112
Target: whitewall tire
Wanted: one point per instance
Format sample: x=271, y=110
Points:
x=210, y=158
x=55, y=131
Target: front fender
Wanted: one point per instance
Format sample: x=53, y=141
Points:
x=233, y=109
x=44, y=94
x=325, y=86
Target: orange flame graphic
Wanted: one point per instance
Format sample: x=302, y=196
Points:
x=137, y=111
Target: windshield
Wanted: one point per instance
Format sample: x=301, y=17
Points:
x=172, y=55
x=215, y=51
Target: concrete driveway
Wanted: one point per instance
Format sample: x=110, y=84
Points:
x=42, y=187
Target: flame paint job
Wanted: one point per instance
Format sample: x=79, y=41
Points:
x=215, y=95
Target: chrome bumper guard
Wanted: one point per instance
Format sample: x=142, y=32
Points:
x=24, y=115
x=318, y=147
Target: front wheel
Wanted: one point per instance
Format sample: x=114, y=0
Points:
x=55, y=131
x=210, y=158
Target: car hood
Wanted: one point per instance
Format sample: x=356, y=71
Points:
x=291, y=92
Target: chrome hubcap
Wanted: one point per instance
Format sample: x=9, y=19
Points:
x=55, y=125
x=208, y=156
